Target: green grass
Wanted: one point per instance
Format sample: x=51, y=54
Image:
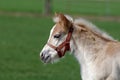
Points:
x=112, y=28
x=22, y=5
x=84, y=7
x=92, y=7
x=21, y=40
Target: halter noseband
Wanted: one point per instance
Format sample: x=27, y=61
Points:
x=65, y=44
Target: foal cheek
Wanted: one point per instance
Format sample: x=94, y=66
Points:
x=50, y=50
x=53, y=54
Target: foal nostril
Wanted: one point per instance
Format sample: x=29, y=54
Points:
x=45, y=56
x=41, y=54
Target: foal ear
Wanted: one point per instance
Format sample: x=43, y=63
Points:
x=64, y=21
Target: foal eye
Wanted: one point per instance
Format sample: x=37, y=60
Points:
x=57, y=36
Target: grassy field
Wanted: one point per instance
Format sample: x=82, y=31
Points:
x=21, y=39
x=89, y=7
x=21, y=5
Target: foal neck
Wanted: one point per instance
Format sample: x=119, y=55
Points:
x=88, y=45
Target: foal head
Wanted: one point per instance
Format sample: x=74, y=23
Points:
x=58, y=42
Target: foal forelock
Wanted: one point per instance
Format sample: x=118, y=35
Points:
x=57, y=19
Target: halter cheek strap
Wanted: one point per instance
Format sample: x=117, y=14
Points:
x=64, y=46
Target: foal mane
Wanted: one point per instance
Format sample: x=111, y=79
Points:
x=91, y=27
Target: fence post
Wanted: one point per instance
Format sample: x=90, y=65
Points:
x=48, y=7
x=107, y=7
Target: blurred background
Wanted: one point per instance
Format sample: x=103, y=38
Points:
x=24, y=29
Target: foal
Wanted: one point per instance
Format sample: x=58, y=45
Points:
x=97, y=53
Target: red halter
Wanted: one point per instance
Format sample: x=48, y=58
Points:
x=65, y=44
